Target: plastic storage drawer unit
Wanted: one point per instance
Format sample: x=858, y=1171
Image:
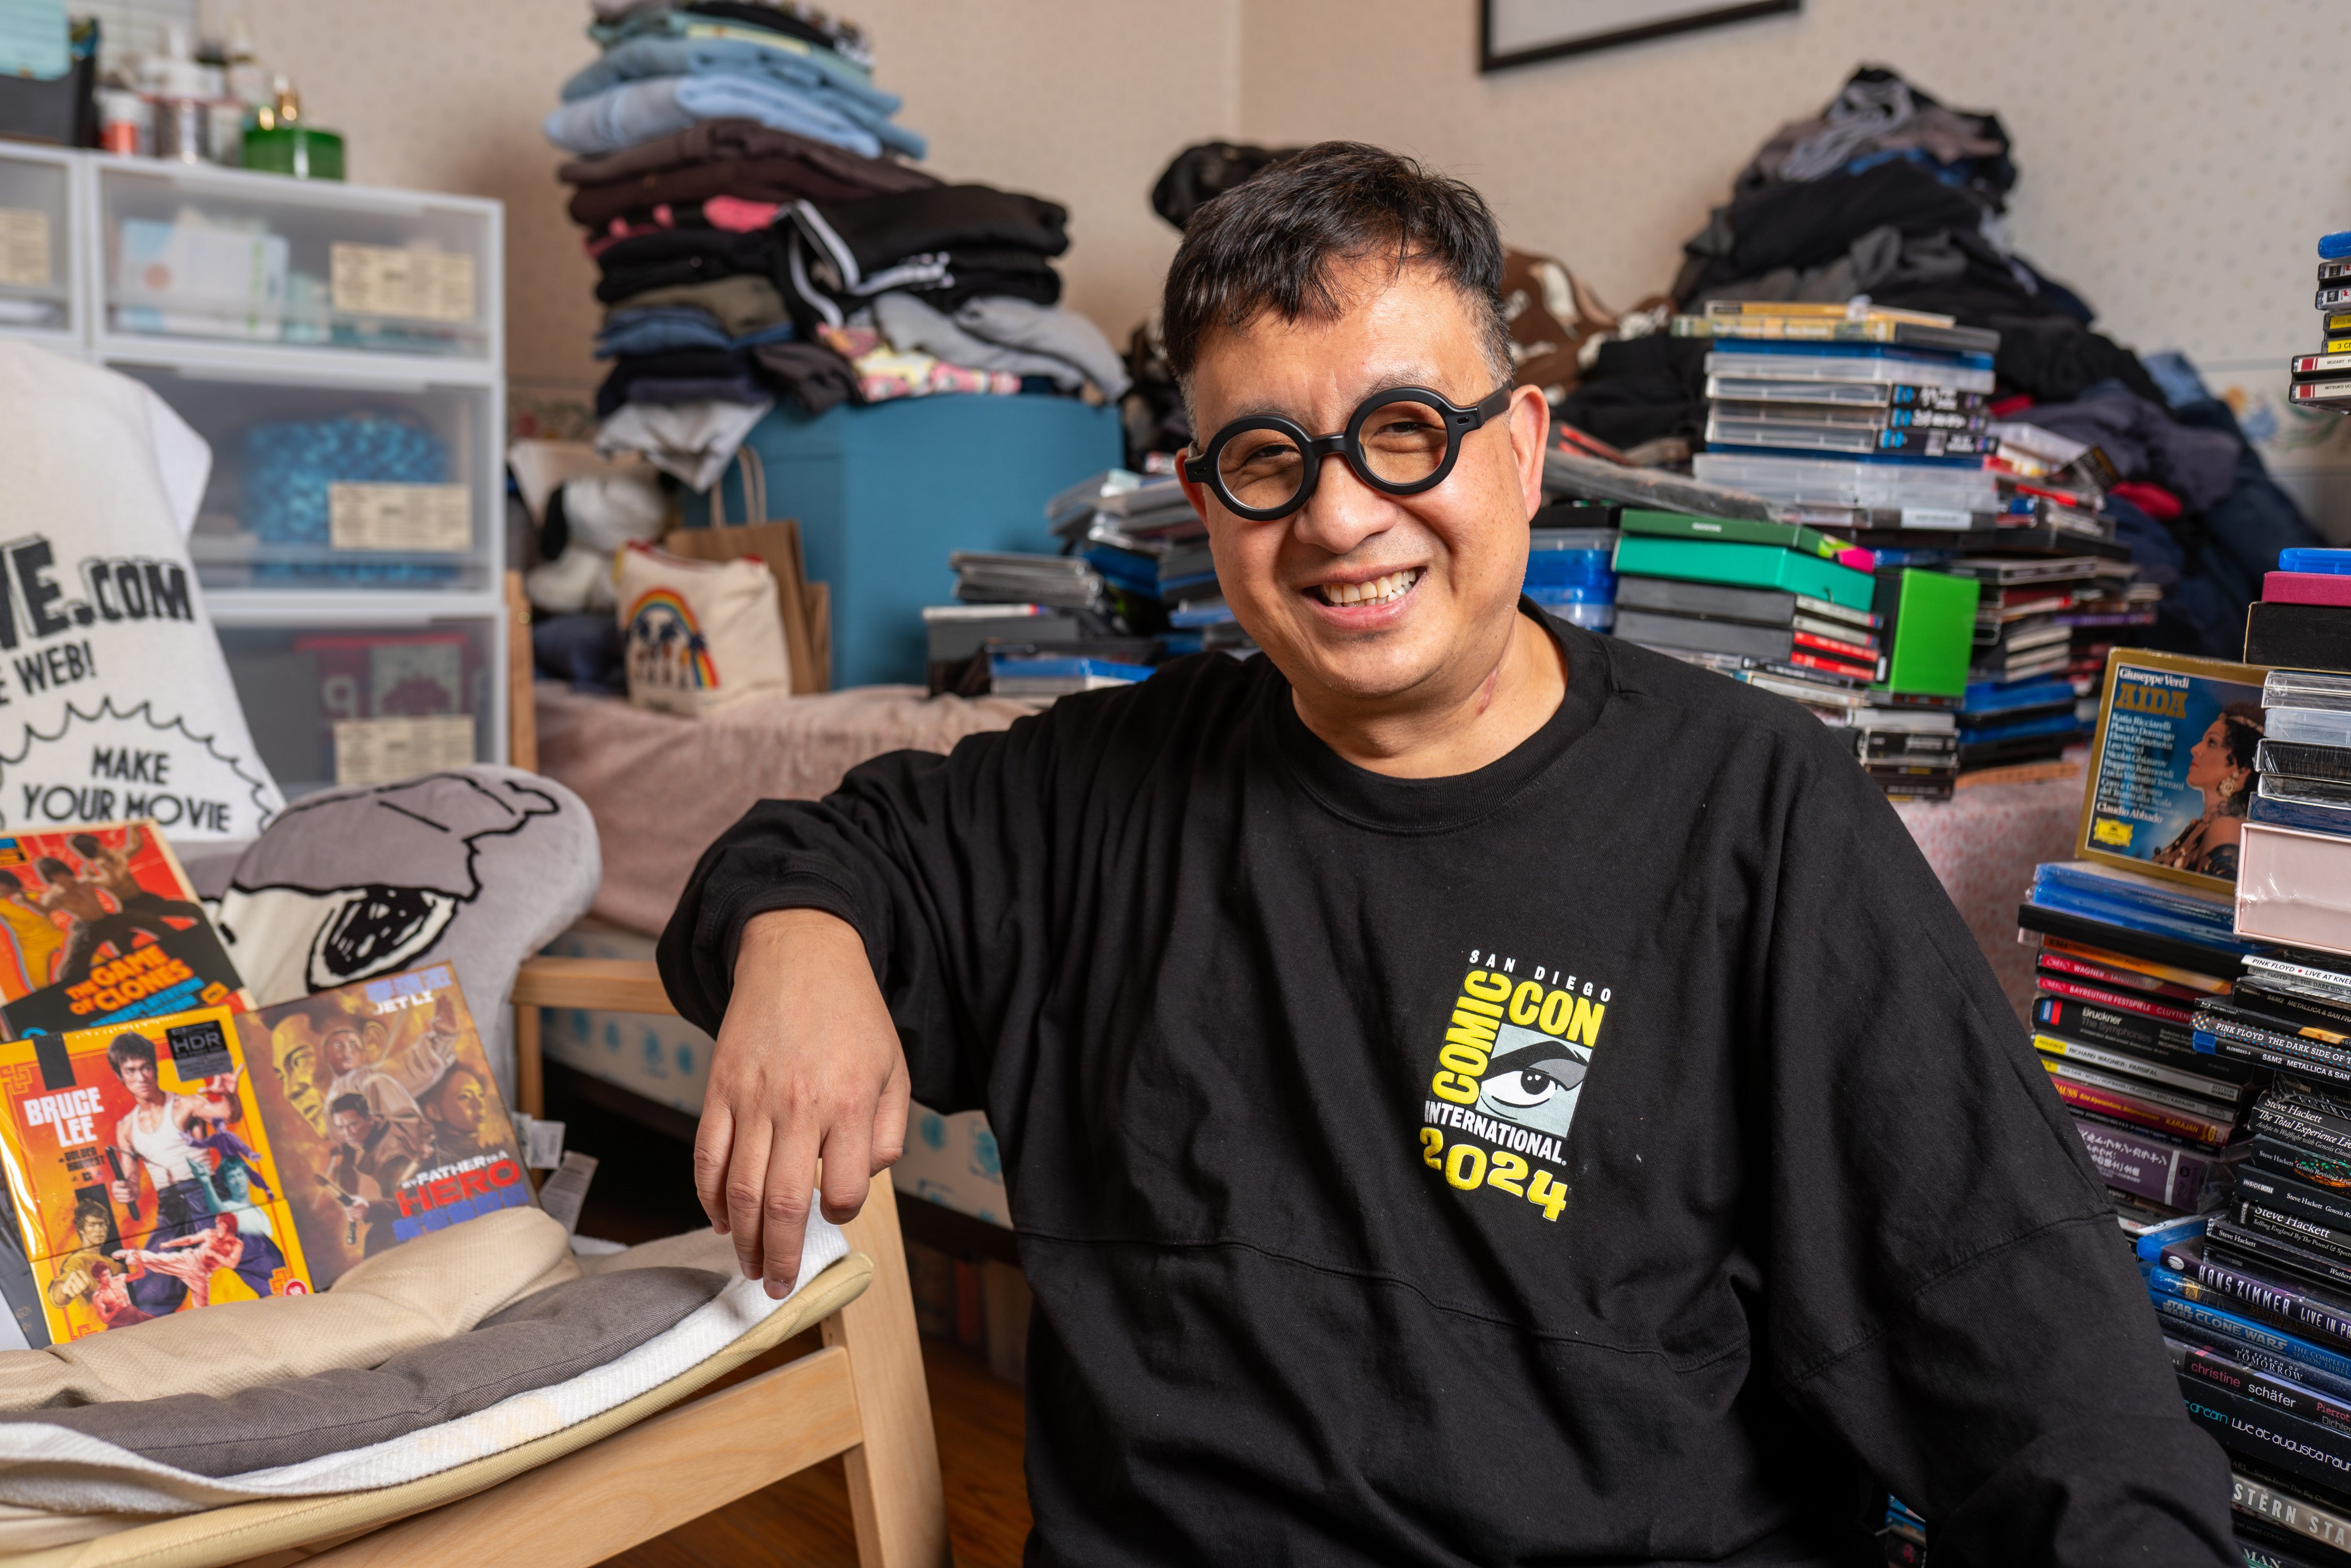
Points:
x=38, y=296
x=229, y=257
x=348, y=702
x=333, y=485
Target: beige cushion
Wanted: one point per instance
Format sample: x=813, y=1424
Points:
x=232, y=1534
x=440, y=1284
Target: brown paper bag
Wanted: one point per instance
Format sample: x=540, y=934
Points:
x=806, y=606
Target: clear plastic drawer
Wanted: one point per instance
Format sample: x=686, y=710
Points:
x=219, y=255
x=37, y=291
x=323, y=486
x=342, y=703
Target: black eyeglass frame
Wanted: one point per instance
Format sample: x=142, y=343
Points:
x=1348, y=444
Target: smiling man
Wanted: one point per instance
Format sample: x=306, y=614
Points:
x=1470, y=1091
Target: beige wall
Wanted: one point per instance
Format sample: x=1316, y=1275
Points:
x=1080, y=101
x=2178, y=156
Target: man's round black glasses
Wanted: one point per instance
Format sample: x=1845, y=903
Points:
x=1400, y=442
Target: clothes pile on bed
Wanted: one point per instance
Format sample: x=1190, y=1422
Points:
x=1891, y=194
x=739, y=178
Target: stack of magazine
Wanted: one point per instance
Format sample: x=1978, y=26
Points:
x=166, y=1146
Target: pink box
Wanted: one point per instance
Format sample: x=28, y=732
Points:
x=2294, y=887
x=2307, y=588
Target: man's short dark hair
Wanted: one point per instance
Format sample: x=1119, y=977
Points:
x=53, y=869
x=128, y=1048
x=343, y=1103
x=86, y=846
x=1270, y=245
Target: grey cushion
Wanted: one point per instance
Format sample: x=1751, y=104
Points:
x=540, y=1341
x=475, y=867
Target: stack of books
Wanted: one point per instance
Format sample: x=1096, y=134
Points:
x=1570, y=556
x=2123, y=961
x=2323, y=379
x=1862, y=417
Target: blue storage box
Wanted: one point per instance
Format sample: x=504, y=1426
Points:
x=883, y=492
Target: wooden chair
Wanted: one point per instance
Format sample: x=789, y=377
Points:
x=665, y=1457
x=863, y=1396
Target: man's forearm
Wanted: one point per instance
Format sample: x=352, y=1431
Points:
x=767, y=937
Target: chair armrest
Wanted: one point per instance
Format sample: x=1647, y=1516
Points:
x=612, y=985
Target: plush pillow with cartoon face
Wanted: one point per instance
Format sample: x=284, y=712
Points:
x=477, y=868
x=115, y=701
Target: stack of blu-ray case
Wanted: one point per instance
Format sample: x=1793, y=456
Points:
x=2123, y=961
x=2323, y=379
x=157, y=1165
x=1780, y=606
x=2255, y=1296
x=1570, y=568
x=2207, y=1081
x=2005, y=723
x=2302, y=621
x=2302, y=763
x=1910, y=751
x=1862, y=417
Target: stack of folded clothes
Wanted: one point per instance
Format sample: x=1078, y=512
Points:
x=949, y=288
x=707, y=138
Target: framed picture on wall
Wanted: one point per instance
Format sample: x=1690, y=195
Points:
x=1520, y=32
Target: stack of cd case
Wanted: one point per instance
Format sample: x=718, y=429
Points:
x=1875, y=427
x=2323, y=379
x=2303, y=764
x=1910, y=753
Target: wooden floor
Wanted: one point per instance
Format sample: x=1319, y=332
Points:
x=644, y=1189
x=802, y=1521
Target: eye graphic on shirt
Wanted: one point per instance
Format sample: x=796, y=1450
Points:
x=1534, y=1086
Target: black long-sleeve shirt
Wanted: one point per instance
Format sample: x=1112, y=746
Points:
x=1614, y=1154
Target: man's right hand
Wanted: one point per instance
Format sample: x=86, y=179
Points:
x=119, y=1190
x=809, y=1077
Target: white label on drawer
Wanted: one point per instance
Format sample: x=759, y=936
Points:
x=386, y=750
x=25, y=247
x=382, y=281
x=399, y=516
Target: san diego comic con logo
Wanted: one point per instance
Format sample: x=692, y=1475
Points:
x=1508, y=1077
